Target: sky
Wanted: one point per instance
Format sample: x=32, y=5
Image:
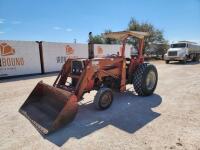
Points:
x=66, y=20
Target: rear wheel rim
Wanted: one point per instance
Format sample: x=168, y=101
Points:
x=150, y=80
x=106, y=100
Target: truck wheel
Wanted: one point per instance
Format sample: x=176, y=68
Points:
x=167, y=61
x=184, y=61
x=103, y=98
x=194, y=59
x=197, y=58
x=145, y=79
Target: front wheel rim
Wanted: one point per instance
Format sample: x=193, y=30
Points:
x=106, y=100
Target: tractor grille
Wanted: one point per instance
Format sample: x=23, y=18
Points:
x=77, y=67
x=172, y=53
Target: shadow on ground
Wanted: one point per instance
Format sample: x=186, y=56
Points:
x=128, y=113
x=180, y=63
x=26, y=77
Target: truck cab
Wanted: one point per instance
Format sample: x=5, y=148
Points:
x=177, y=52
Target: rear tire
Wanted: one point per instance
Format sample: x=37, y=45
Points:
x=167, y=61
x=103, y=98
x=145, y=79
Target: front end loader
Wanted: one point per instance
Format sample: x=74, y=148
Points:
x=51, y=107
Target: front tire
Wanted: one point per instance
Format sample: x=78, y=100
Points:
x=145, y=79
x=103, y=98
x=167, y=61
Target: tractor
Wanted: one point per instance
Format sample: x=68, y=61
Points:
x=49, y=108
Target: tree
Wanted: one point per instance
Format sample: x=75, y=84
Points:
x=108, y=40
x=155, y=35
x=100, y=39
x=97, y=39
x=158, y=49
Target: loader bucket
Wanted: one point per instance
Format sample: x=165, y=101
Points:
x=49, y=108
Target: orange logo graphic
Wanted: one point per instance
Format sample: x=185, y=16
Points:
x=99, y=50
x=69, y=50
x=6, y=49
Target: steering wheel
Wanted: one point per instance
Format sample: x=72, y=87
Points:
x=114, y=55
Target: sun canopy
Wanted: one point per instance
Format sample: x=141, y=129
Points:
x=125, y=34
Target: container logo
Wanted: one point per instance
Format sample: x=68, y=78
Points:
x=99, y=50
x=8, y=61
x=6, y=50
x=69, y=50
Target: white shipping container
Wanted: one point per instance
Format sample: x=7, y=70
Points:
x=55, y=54
x=19, y=58
x=102, y=50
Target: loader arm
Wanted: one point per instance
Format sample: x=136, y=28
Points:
x=86, y=81
x=63, y=74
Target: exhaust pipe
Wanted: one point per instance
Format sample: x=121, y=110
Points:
x=90, y=47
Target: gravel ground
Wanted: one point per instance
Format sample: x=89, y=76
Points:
x=169, y=119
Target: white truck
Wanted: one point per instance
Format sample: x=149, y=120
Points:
x=183, y=51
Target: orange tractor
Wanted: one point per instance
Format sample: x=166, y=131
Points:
x=51, y=107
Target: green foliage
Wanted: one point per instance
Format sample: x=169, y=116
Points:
x=156, y=35
x=158, y=49
x=108, y=40
x=97, y=39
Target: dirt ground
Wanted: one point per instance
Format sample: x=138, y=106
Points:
x=169, y=119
